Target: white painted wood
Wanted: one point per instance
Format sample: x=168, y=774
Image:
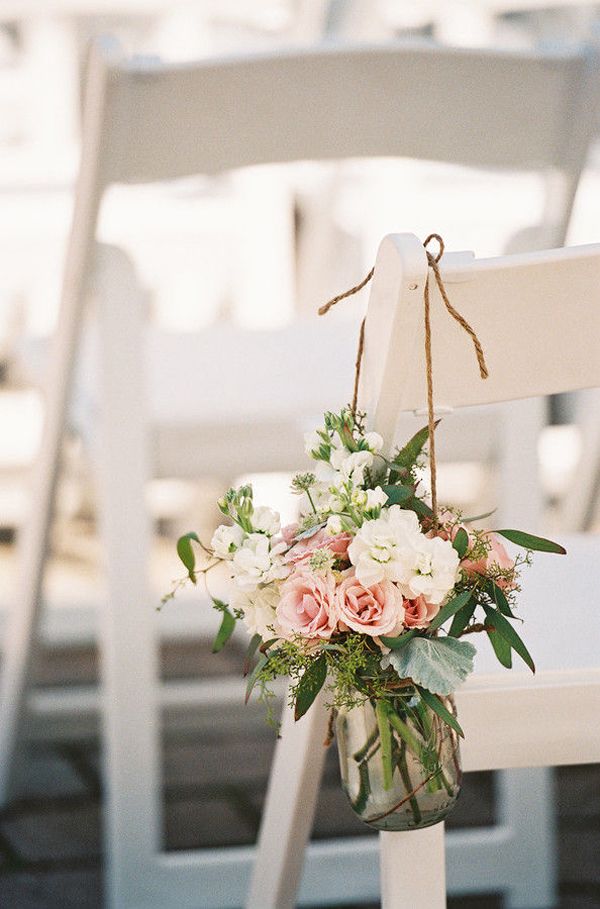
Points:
x=289, y=809
x=19, y=653
x=413, y=869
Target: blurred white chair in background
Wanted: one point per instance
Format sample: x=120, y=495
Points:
x=510, y=720
x=147, y=122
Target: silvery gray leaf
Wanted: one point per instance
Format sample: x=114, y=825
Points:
x=438, y=664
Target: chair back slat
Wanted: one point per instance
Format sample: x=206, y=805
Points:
x=537, y=316
x=178, y=120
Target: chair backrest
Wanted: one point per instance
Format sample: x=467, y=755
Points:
x=169, y=121
x=537, y=316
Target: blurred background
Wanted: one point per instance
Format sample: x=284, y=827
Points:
x=255, y=249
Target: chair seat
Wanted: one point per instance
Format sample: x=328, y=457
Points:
x=516, y=719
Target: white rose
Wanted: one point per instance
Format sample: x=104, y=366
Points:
x=376, y=498
x=384, y=548
x=259, y=608
x=354, y=465
x=374, y=441
x=255, y=562
x=265, y=520
x=226, y=539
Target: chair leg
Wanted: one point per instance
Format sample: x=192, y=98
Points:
x=289, y=810
x=413, y=869
x=127, y=630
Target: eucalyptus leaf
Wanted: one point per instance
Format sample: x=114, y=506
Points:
x=186, y=553
x=501, y=648
x=498, y=596
x=252, y=648
x=407, y=456
x=436, y=705
x=504, y=628
x=399, y=642
x=461, y=542
x=438, y=664
x=529, y=541
x=451, y=607
x=310, y=684
x=462, y=619
x=398, y=495
x=225, y=631
x=254, y=676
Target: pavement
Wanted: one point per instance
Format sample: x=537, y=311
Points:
x=214, y=787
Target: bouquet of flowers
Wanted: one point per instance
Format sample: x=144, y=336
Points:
x=369, y=596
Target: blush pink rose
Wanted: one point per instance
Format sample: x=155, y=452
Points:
x=307, y=605
x=289, y=532
x=304, y=549
x=371, y=610
x=418, y=613
x=496, y=558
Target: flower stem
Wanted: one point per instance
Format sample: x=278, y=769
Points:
x=403, y=767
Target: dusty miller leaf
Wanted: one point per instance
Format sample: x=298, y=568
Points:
x=438, y=664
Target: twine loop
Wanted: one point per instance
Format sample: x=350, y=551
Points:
x=433, y=263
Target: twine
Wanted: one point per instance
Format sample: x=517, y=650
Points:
x=432, y=262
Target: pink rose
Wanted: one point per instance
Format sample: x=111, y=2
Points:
x=307, y=604
x=371, y=610
x=289, y=532
x=496, y=558
x=304, y=549
x=419, y=613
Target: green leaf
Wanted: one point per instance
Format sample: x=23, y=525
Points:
x=461, y=542
x=385, y=735
x=254, y=676
x=438, y=664
x=252, y=648
x=528, y=541
x=419, y=507
x=462, y=619
x=224, y=632
x=406, y=457
x=504, y=628
x=401, y=641
x=436, y=705
x=398, y=495
x=497, y=595
x=450, y=609
x=186, y=553
x=501, y=648
x=310, y=684
x=479, y=517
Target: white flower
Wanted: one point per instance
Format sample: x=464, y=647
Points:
x=383, y=548
x=434, y=570
x=359, y=498
x=334, y=525
x=265, y=520
x=226, y=539
x=259, y=608
x=374, y=442
x=312, y=442
x=327, y=476
x=354, y=465
x=255, y=562
x=376, y=498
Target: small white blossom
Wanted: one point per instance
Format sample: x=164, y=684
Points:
x=334, y=525
x=359, y=498
x=374, y=441
x=256, y=562
x=226, y=539
x=376, y=498
x=259, y=608
x=354, y=465
x=219, y=580
x=265, y=520
x=434, y=570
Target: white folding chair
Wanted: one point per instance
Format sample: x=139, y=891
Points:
x=538, y=317
x=146, y=122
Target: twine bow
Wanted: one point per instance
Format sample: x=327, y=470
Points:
x=433, y=263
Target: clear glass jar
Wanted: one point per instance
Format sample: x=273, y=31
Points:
x=423, y=776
